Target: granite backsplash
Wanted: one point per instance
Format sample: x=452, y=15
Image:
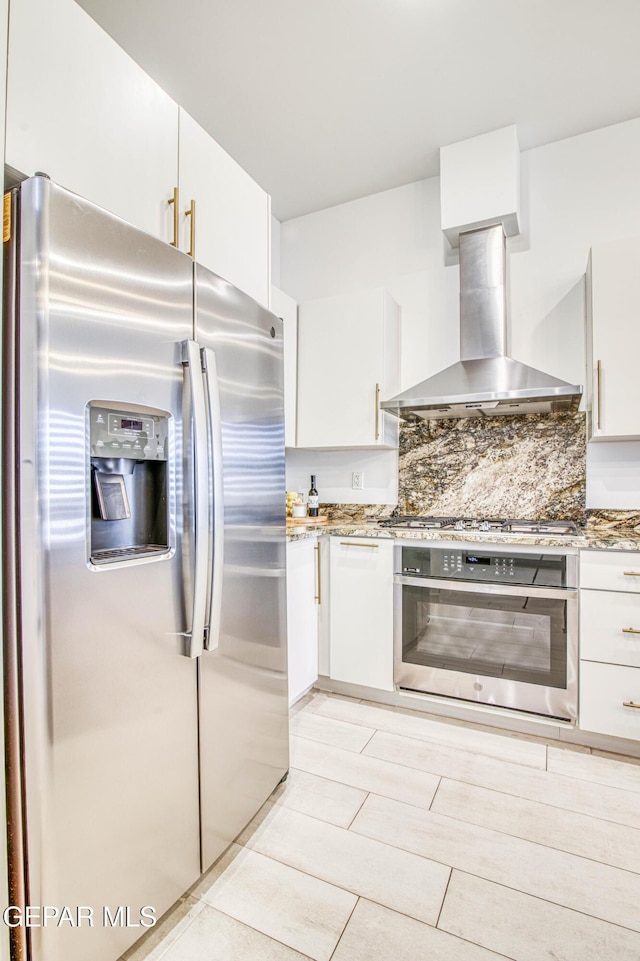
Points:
x=602, y=521
x=527, y=466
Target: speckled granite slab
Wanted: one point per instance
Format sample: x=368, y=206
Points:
x=599, y=521
x=356, y=513
x=531, y=466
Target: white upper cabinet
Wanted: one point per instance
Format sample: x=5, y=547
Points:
x=232, y=213
x=82, y=111
x=613, y=340
x=286, y=308
x=348, y=361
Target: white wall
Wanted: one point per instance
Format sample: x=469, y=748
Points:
x=613, y=475
x=333, y=470
x=575, y=193
x=275, y=252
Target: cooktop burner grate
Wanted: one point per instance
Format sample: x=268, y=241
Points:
x=484, y=525
x=433, y=523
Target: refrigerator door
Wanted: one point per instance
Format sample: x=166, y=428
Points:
x=109, y=705
x=244, y=750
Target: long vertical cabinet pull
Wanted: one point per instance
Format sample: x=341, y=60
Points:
x=318, y=596
x=599, y=394
x=193, y=370
x=175, y=200
x=377, y=411
x=191, y=212
x=214, y=598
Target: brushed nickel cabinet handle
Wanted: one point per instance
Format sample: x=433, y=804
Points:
x=318, y=596
x=353, y=544
x=175, y=200
x=377, y=411
x=631, y=573
x=630, y=630
x=599, y=373
x=630, y=704
x=191, y=212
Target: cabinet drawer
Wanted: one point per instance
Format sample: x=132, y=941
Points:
x=610, y=570
x=607, y=619
x=603, y=690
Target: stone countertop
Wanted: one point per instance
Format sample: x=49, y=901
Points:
x=609, y=541
x=590, y=540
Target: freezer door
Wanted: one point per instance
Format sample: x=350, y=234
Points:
x=109, y=702
x=244, y=749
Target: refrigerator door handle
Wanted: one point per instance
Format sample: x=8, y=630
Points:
x=216, y=555
x=191, y=361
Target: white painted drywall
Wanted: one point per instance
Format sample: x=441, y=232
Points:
x=275, y=252
x=333, y=469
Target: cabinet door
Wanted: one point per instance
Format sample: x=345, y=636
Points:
x=82, y=111
x=610, y=627
x=302, y=616
x=613, y=339
x=610, y=571
x=286, y=308
x=233, y=214
x=361, y=611
x=348, y=361
x=607, y=693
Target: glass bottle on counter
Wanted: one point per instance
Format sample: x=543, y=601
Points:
x=313, y=498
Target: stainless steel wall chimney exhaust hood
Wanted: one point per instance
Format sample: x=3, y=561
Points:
x=484, y=380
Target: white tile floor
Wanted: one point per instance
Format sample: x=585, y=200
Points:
x=400, y=837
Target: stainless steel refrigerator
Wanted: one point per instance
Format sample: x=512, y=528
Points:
x=144, y=569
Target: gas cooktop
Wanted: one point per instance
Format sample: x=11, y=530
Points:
x=484, y=525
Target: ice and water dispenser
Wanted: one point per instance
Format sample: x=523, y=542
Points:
x=129, y=483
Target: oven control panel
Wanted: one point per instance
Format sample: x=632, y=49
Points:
x=481, y=566
x=542, y=570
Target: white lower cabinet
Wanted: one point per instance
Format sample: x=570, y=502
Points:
x=610, y=627
x=608, y=693
x=610, y=644
x=302, y=616
x=610, y=571
x=361, y=611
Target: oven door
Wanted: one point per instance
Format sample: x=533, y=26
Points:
x=499, y=644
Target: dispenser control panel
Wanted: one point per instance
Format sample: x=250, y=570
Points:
x=128, y=433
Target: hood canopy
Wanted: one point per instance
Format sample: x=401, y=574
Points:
x=485, y=380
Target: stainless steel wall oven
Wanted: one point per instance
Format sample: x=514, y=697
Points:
x=489, y=625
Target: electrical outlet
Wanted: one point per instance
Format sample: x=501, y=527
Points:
x=357, y=480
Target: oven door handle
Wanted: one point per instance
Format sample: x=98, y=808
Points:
x=492, y=587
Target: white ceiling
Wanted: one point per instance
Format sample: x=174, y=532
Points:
x=326, y=101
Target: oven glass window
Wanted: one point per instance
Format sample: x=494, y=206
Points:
x=495, y=635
